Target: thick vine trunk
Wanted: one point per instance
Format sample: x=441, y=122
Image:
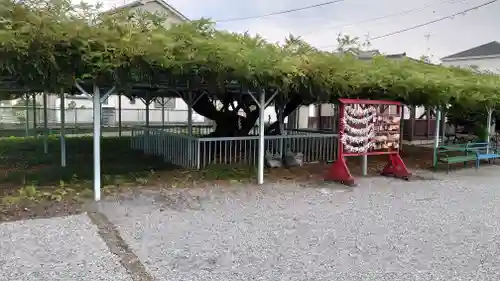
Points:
x=229, y=123
x=290, y=107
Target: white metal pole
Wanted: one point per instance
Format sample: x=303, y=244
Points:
x=63, y=141
x=190, y=127
x=27, y=123
x=35, y=133
x=488, y=127
x=443, y=125
x=147, y=144
x=281, y=124
x=364, y=165
x=45, y=125
x=190, y=113
x=436, y=137
x=262, y=107
x=119, y=114
x=97, y=143
x=147, y=112
x=438, y=121
x=162, y=112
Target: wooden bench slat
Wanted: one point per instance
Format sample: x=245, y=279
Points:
x=487, y=156
x=458, y=159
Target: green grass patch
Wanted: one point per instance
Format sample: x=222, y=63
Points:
x=27, y=173
x=23, y=161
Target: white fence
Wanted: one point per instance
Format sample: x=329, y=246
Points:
x=194, y=152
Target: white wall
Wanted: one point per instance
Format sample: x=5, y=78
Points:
x=135, y=111
x=485, y=64
x=131, y=112
x=155, y=7
x=327, y=109
x=419, y=111
x=303, y=116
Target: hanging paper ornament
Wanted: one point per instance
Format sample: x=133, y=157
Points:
x=356, y=139
x=359, y=121
x=358, y=111
x=357, y=131
x=358, y=128
x=358, y=149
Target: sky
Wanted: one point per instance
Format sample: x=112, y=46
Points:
x=320, y=26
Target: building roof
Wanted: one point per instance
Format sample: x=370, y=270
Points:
x=488, y=49
x=139, y=3
x=368, y=55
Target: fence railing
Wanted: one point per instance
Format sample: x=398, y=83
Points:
x=197, y=152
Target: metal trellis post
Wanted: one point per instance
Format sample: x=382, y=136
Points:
x=96, y=104
x=488, y=127
x=62, y=131
x=45, y=125
x=436, y=136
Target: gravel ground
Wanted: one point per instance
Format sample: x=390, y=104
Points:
x=66, y=249
x=385, y=229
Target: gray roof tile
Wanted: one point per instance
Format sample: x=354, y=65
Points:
x=488, y=49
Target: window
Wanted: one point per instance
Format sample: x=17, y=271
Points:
x=393, y=109
x=105, y=101
x=168, y=102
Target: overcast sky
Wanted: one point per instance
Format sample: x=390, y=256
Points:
x=320, y=26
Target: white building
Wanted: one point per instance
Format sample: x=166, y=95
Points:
x=485, y=57
x=79, y=111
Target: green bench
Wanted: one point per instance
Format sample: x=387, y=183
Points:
x=463, y=153
x=452, y=154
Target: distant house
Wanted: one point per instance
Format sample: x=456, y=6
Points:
x=153, y=6
x=485, y=57
x=368, y=55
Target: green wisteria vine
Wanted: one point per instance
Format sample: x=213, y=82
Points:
x=48, y=45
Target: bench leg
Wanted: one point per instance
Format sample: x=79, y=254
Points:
x=447, y=168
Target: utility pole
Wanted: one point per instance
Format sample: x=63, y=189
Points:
x=427, y=45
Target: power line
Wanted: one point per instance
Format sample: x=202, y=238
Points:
x=426, y=23
x=392, y=15
x=281, y=12
x=434, y=21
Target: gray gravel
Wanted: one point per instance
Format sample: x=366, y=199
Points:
x=385, y=229
x=66, y=249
